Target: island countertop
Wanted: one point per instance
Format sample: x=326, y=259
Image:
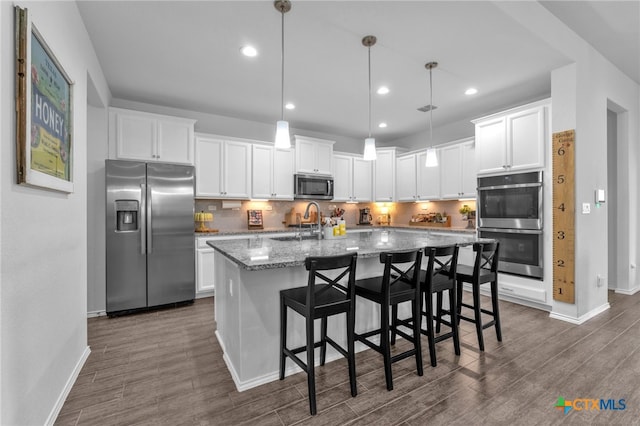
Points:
x=258, y=253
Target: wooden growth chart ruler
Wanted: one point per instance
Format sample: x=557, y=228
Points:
x=564, y=216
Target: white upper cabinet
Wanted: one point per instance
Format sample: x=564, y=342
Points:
x=352, y=178
x=272, y=173
x=427, y=178
x=513, y=140
x=313, y=156
x=384, y=171
x=135, y=135
x=223, y=168
x=415, y=181
x=457, y=171
x=406, y=188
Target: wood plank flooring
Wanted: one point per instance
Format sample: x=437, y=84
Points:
x=166, y=368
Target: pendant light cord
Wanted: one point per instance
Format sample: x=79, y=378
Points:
x=431, y=104
x=369, y=49
x=282, y=68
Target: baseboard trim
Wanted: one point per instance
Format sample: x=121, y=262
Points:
x=627, y=292
x=581, y=319
x=67, y=387
x=93, y=314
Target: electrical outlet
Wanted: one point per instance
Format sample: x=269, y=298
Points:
x=212, y=208
x=586, y=208
x=268, y=208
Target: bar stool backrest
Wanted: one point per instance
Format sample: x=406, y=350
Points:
x=408, y=273
x=319, y=283
x=486, y=257
x=442, y=261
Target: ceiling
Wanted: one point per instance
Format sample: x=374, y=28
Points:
x=186, y=54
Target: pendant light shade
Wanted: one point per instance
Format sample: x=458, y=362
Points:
x=283, y=140
x=369, y=143
x=369, y=149
x=432, y=157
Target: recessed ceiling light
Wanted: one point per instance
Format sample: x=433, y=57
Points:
x=249, y=51
x=382, y=125
x=383, y=90
x=471, y=91
x=289, y=105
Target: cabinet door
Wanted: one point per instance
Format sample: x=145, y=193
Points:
x=384, y=179
x=526, y=136
x=305, y=156
x=283, y=167
x=491, y=146
x=237, y=172
x=406, y=178
x=342, y=178
x=469, y=176
x=205, y=272
x=175, y=141
x=209, y=165
x=362, y=174
x=451, y=172
x=427, y=178
x=135, y=137
x=262, y=172
x=324, y=157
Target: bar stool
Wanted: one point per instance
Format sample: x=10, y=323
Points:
x=439, y=276
x=484, y=270
x=388, y=290
x=321, y=298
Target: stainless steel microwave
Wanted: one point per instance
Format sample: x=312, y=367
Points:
x=313, y=187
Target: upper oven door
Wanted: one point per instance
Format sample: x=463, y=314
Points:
x=510, y=205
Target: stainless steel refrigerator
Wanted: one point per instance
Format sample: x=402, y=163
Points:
x=149, y=234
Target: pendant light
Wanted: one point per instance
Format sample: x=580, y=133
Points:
x=432, y=157
x=369, y=143
x=283, y=140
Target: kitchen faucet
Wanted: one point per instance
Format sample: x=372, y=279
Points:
x=306, y=216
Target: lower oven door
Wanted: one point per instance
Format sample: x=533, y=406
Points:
x=520, y=250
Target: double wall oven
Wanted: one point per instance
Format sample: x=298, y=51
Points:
x=510, y=211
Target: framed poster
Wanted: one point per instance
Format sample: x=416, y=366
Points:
x=44, y=115
x=255, y=219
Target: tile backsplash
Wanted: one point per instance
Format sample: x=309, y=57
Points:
x=236, y=219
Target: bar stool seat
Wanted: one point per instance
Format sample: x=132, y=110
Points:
x=388, y=291
x=321, y=298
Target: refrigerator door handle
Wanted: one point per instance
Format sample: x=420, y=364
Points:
x=149, y=223
x=143, y=222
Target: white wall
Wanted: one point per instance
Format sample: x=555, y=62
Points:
x=581, y=93
x=43, y=244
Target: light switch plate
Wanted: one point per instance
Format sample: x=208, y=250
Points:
x=586, y=208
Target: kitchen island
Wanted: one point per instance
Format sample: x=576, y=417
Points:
x=249, y=274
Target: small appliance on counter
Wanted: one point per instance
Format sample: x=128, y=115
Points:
x=365, y=217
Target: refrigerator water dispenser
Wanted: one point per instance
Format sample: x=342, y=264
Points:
x=126, y=215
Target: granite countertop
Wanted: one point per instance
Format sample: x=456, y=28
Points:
x=257, y=253
x=358, y=228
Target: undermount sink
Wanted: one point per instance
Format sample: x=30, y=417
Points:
x=294, y=238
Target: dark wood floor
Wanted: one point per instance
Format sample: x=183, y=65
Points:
x=166, y=367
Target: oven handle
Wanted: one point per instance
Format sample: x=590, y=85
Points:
x=512, y=231
x=517, y=185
